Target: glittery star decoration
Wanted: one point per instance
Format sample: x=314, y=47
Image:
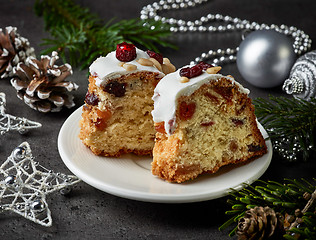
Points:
x=12, y=123
x=24, y=184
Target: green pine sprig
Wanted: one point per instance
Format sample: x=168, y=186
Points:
x=292, y=118
x=283, y=198
x=80, y=36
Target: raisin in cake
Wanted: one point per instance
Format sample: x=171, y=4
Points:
x=204, y=120
x=116, y=116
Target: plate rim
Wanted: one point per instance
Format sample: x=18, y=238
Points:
x=145, y=196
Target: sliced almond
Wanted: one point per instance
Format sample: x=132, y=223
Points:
x=184, y=79
x=213, y=70
x=156, y=64
x=120, y=64
x=168, y=68
x=145, y=62
x=166, y=60
x=129, y=67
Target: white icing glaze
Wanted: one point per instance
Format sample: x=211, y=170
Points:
x=169, y=89
x=107, y=68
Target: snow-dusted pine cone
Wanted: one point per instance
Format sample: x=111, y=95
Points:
x=42, y=85
x=13, y=50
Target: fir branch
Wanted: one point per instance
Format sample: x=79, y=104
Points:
x=294, y=119
x=80, y=36
x=283, y=198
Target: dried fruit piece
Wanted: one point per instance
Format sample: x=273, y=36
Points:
x=125, y=52
x=225, y=92
x=212, y=97
x=196, y=70
x=206, y=124
x=160, y=127
x=254, y=148
x=233, y=145
x=103, y=116
x=237, y=122
x=91, y=99
x=191, y=72
x=187, y=110
x=204, y=65
x=116, y=88
x=156, y=56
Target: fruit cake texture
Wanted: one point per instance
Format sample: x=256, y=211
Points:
x=204, y=120
x=116, y=116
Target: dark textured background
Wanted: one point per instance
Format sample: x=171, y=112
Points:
x=92, y=214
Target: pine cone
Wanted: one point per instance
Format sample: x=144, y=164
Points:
x=260, y=223
x=42, y=84
x=13, y=49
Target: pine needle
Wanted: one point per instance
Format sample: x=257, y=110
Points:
x=80, y=36
x=292, y=118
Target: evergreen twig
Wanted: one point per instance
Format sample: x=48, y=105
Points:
x=80, y=36
x=283, y=198
x=294, y=119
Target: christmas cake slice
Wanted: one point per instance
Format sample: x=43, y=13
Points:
x=204, y=120
x=116, y=116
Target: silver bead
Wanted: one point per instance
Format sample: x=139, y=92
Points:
x=37, y=205
x=65, y=190
x=202, y=28
x=210, y=16
x=203, y=55
x=19, y=153
x=10, y=180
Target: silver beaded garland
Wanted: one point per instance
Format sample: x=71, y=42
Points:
x=302, y=41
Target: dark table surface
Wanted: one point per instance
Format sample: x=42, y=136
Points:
x=88, y=213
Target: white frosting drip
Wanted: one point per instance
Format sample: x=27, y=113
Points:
x=107, y=68
x=169, y=89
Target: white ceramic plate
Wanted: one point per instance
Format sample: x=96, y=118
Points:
x=130, y=176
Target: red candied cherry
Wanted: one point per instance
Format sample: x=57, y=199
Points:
x=125, y=52
x=156, y=56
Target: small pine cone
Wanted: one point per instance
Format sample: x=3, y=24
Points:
x=42, y=85
x=260, y=223
x=13, y=50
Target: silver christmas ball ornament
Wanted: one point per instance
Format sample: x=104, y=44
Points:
x=302, y=80
x=19, y=153
x=265, y=58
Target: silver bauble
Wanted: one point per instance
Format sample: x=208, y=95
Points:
x=265, y=58
x=302, y=80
